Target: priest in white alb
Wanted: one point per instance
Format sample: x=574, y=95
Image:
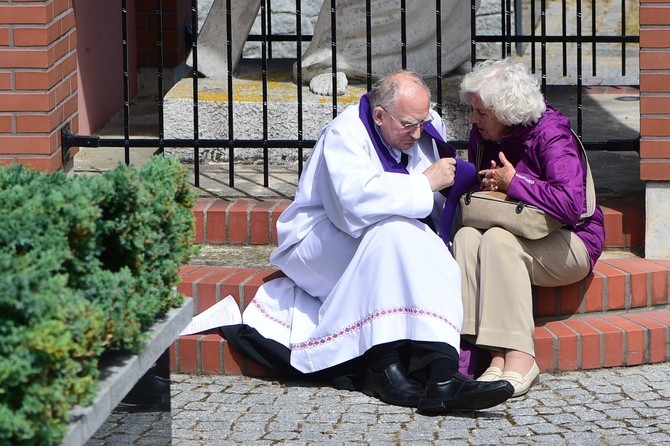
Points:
x=371, y=290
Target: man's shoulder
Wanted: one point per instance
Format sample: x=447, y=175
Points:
x=347, y=118
x=349, y=112
x=438, y=123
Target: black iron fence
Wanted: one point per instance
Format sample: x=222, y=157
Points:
x=566, y=36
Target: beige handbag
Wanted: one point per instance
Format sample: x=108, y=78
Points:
x=487, y=209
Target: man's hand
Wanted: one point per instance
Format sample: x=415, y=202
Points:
x=441, y=173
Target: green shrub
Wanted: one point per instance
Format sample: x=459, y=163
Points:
x=87, y=264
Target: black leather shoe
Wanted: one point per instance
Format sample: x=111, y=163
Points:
x=463, y=393
x=393, y=386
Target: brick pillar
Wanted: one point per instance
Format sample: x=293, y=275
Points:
x=38, y=81
x=655, y=123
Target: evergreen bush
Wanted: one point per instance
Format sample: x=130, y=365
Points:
x=87, y=264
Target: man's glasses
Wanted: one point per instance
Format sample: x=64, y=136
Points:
x=409, y=127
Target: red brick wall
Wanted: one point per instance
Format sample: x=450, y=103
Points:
x=655, y=90
x=176, y=19
x=38, y=81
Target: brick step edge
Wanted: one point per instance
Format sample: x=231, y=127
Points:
x=618, y=284
x=593, y=342
x=620, y=316
x=252, y=221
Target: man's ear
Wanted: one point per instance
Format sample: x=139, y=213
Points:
x=377, y=115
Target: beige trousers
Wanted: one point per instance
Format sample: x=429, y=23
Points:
x=498, y=270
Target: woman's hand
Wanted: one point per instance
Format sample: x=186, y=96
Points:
x=498, y=178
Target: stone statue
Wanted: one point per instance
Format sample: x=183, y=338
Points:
x=351, y=40
x=212, y=54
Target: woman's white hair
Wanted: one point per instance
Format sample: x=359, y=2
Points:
x=507, y=89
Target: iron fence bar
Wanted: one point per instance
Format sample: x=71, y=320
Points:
x=267, y=17
x=229, y=76
x=333, y=46
x=518, y=23
x=580, y=69
x=298, y=30
x=503, y=31
x=368, y=43
x=473, y=32
x=532, y=33
x=543, y=44
x=559, y=39
x=278, y=38
x=623, y=33
x=507, y=30
x=438, y=56
x=126, y=80
x=264, y=83
x=564, y=30
x=205, y=143
x=594, y=67
x=72, y=140
x=161, y=62
x=403, y=34
x=196, y=129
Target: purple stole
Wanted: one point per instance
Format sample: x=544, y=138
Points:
x=466, y=173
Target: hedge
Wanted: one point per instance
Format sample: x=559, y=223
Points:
x=87, y=265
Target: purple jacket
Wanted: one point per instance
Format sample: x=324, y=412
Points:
x=549, y=173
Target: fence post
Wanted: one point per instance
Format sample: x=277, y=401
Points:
x=38, y=82
x=655, y=124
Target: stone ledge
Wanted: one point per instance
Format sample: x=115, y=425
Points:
x=120, y=371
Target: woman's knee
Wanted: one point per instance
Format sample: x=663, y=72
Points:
x=498, y=238
x=467, y=236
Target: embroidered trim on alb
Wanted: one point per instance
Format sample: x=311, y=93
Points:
x=368, y=319
x=267, y=315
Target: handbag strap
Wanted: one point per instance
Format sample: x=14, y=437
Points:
x=590, y=186
x=478, y=156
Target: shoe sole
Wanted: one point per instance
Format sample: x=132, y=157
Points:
x=493, y=398
x=374, y=394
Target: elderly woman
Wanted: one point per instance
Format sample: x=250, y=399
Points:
x=527, y=150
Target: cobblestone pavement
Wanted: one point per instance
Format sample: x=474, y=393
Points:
x=618, y=406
